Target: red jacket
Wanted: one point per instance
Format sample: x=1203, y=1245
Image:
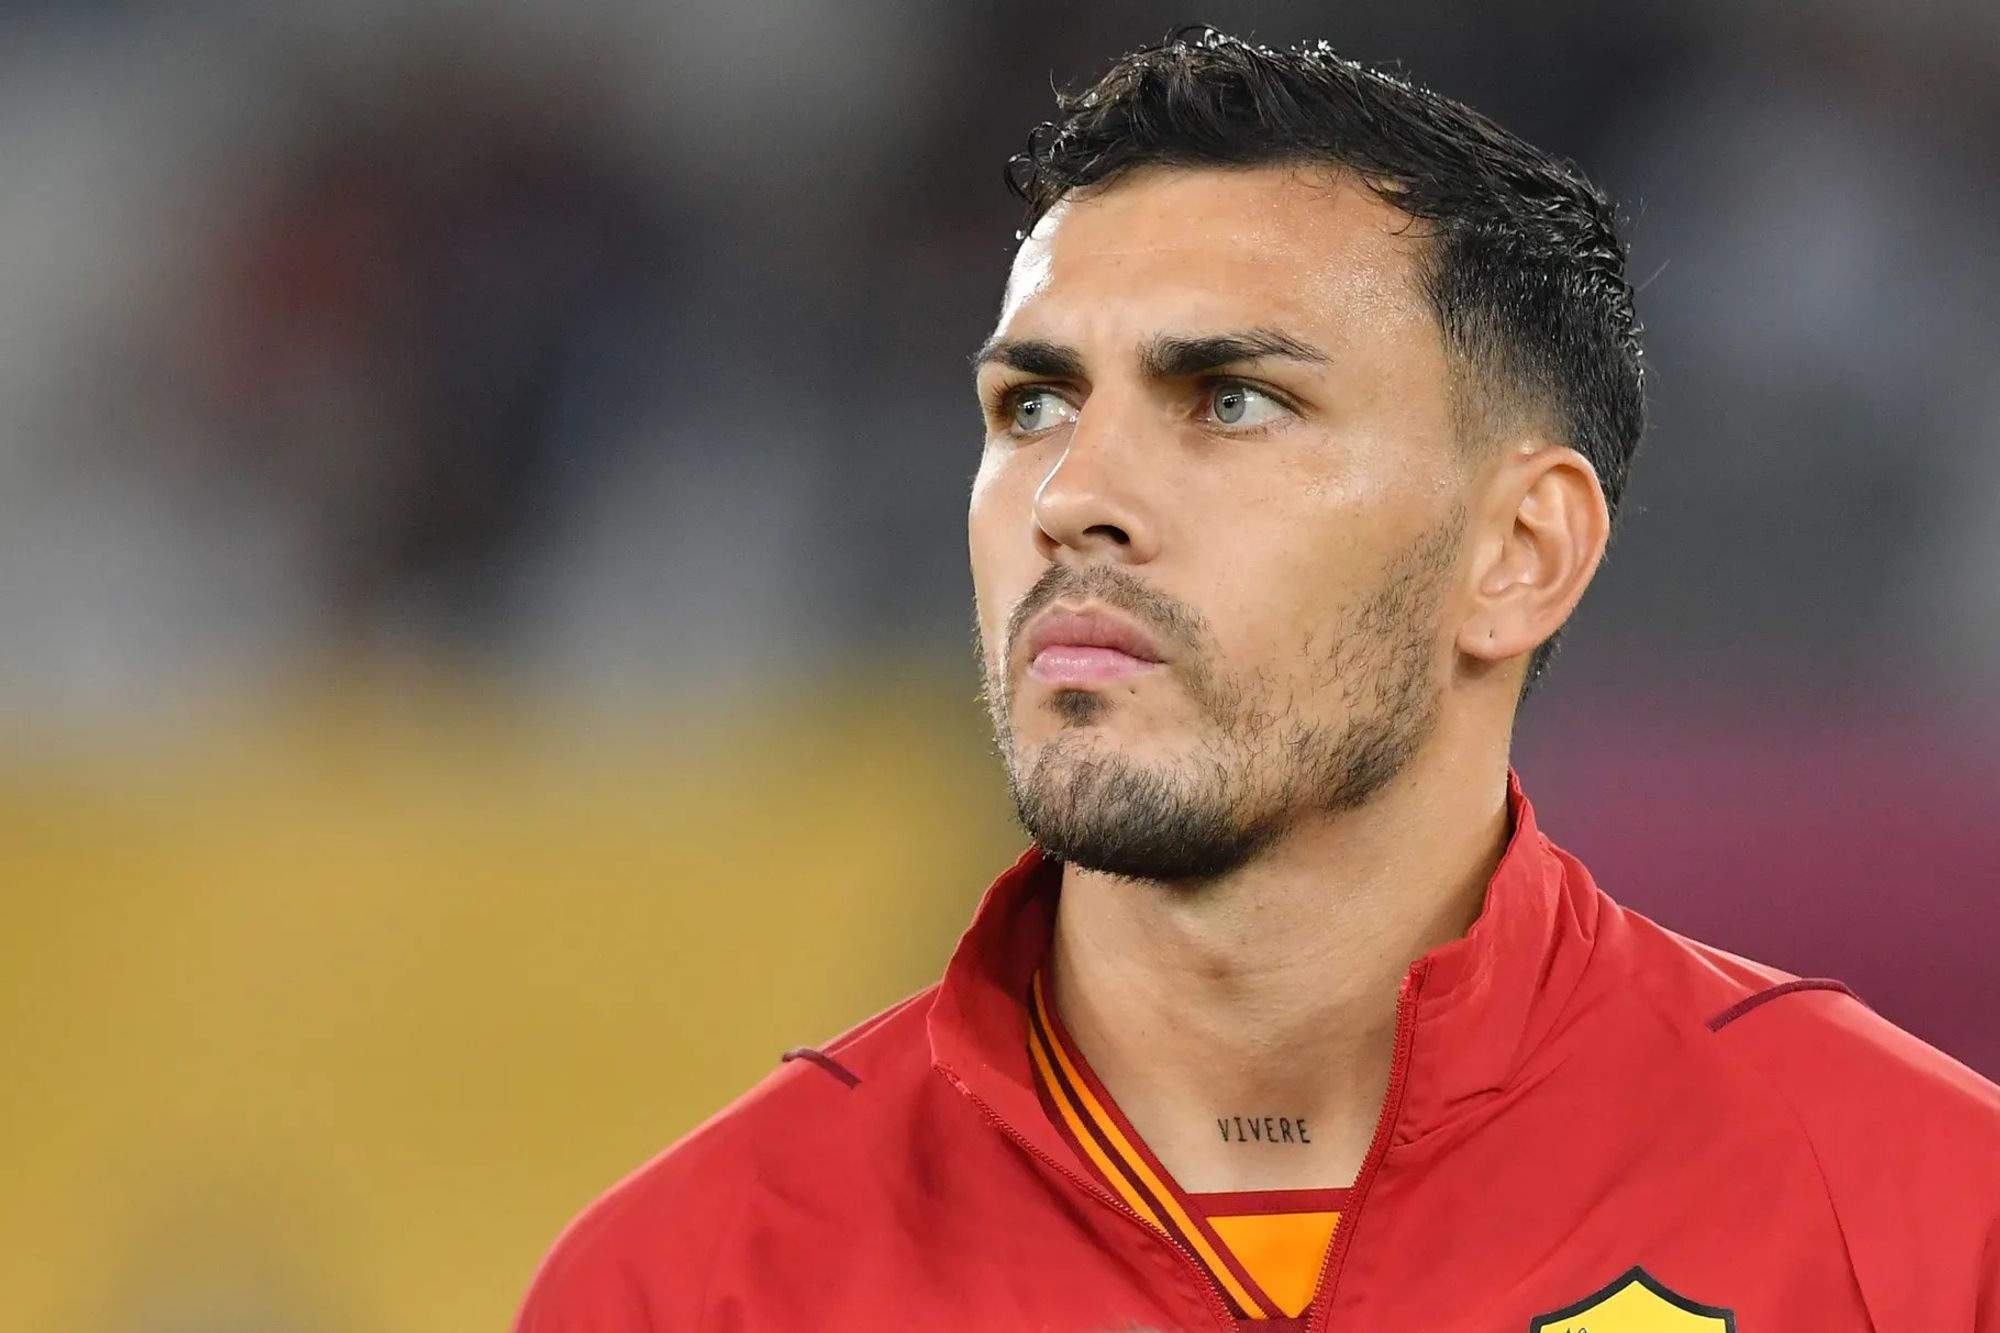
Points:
x=1592, y=1123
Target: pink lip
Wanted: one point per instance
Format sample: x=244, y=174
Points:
x=1083, y=664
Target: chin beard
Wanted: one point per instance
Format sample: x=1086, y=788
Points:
x=1256, y=769
x=1107, y=814
x=1207, y=817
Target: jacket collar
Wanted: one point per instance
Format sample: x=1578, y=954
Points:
x=1482, y=1003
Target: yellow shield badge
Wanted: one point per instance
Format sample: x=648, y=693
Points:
x=1636, y=1303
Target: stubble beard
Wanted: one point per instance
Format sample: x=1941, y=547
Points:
x=1257, y=766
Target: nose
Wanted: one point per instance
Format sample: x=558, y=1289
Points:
x=1090, y=505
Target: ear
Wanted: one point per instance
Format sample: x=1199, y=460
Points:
x=1546, y=528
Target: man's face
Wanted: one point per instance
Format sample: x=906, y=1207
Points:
x=1218, y=418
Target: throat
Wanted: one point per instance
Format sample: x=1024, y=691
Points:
x=1233, y=1152
x=1272, y=1129
x=1215, y=1124
x=1257, y=1194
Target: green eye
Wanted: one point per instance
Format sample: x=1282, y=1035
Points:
x=1235, y=404
x=1038, y=410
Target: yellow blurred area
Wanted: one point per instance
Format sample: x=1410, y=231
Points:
x=330, y=1018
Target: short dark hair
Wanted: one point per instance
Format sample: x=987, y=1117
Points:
x=1526, y=266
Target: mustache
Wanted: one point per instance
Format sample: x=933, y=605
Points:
x=1175, y=624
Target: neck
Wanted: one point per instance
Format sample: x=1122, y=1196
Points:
x=1269, y=996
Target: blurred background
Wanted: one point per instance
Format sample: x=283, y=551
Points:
x=481, y=564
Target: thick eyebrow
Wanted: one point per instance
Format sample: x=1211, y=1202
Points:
x=1169, y=357
x=1031, y=356
x=1165, y=357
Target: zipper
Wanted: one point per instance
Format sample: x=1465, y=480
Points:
x=1215, y=1302
x=1378, y=1147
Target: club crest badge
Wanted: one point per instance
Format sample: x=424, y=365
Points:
x=1636, y=1302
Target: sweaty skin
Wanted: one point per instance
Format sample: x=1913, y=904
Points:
x=1338, y=562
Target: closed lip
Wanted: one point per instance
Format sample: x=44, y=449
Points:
x=1089, y=628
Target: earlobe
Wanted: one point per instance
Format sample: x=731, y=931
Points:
x=1549, y=526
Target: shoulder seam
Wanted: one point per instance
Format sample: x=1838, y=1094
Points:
x=1769, y=993
x=822, y=1060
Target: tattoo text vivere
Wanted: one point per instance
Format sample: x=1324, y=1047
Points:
x=1262, y=1129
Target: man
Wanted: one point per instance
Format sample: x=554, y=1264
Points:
x=1311, y=400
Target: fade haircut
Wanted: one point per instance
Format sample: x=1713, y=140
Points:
x=1525, y=266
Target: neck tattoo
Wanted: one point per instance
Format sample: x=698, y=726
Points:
x=1262, y=1129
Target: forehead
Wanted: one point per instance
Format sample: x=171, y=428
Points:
x=1172, y=247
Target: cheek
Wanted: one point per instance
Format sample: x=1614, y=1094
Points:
x=999, y=543
x=1291, y=578
x=985, y=516
x=1000, y=514
x=986, y=483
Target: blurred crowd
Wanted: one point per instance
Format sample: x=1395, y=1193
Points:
x=616, y=347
